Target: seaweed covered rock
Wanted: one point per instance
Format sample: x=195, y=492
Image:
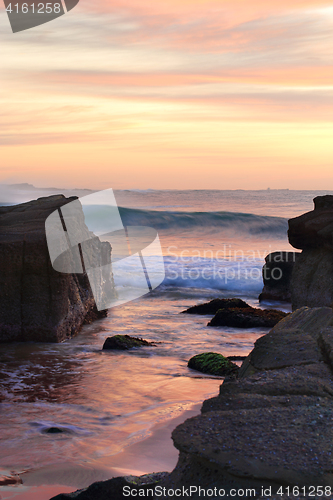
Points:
x=125, y=342
x=248, y=317
x=214, y=305
x=212, y=363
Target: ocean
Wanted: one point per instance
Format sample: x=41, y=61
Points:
x=108, y=403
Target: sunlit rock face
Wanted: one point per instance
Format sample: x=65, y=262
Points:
x=38, y=303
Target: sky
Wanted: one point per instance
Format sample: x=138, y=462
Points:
x=175, y=94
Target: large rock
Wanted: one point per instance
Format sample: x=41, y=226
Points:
x=272, y=425
x=38, y=303
x=249, y=317
x=312, y=279
x=312, y=276
x=313, y=229
x=276, y=273
x=214, y=305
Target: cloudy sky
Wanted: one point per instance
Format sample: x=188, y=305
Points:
x=195, y=94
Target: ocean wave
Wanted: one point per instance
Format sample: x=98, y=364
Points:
x=246, y=223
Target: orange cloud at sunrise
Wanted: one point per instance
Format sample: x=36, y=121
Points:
x=200, y=94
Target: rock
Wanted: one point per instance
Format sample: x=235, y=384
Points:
x=125, y=342
x=312, y=276
x=113, y=488
x=247, y=317
x=53, y=430
x=236, y=358
x=312, y=279
x=271, y=425
x=38, y=303
x=313, y=229
x=237, y=313
x=213, y=363
x=325, y=342
x=277, y=272
x=275, y=446
x=10, y=479
x=286, y=348
x=309, y=320
x=214, y=305
x=313, y=379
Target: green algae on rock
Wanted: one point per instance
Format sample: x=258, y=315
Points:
x=212, y=363
x=125, y=342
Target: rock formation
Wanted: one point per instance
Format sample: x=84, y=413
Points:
x=312, y=277
x=276, y=273
x=38, y=303
x=272, y=425
x=247, y=317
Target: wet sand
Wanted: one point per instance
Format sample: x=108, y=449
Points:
x=154, y=454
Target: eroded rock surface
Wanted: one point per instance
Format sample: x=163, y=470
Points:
x=312, y=276
x=38, y=303
x=277, y=273
x=272, y=425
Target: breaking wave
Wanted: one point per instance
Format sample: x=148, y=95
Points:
x=247, y=223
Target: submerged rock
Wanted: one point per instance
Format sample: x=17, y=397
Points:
x=125, y=342
x=249, y=317
x=54, y=430
x=213, y=363
x=214, y=305
x=10, y=479
x=277, y=273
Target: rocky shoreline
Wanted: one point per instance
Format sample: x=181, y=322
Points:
x=271, y=427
